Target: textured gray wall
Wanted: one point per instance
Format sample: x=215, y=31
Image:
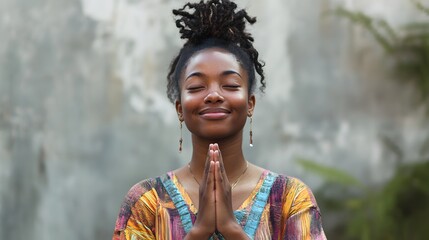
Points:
x=83, y=111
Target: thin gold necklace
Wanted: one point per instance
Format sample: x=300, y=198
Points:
x=232, y=185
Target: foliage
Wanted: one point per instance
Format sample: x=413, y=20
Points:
x=330, y=174
x=408, y=45
x=396, y=210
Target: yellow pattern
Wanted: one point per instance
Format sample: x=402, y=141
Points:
x=150, y=219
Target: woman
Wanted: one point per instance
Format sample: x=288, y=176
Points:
x=219, y=194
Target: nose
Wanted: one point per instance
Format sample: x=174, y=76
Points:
x=213, y=97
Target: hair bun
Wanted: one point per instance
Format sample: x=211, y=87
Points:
x=214, y=23
x=213, y=19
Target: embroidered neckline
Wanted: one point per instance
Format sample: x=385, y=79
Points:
x=258, y=200
x=186, y=197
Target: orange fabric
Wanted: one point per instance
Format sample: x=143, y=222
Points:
x=149, y=213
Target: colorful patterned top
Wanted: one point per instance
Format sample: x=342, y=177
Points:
x=279, y=207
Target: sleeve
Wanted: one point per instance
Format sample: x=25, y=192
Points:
x=302, y=215
x=136, y=219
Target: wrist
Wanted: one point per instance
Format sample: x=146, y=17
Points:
x=233, y=231
x=197, y=233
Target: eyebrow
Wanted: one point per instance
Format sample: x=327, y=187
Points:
x=224, y=73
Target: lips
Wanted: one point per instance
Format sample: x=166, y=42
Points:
x=214, y=113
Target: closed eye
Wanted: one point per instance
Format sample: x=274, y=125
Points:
x=232, y=86
x=196, y=88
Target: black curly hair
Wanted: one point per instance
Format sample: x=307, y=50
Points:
x=214, y=23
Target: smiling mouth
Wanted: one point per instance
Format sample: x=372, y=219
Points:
x=214, y=113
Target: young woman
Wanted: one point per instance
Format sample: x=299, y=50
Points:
x=219, y=194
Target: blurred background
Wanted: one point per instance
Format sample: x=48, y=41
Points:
x=84, y=114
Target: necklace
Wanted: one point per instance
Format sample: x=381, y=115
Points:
x=232, y=185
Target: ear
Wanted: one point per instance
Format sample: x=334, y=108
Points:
x=251, y=105
x=179, y=110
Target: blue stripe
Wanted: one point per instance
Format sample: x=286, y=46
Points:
x=180, y=204
x=259, y=205
x=254, y=216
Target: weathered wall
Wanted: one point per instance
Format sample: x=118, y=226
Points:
x=83, y=111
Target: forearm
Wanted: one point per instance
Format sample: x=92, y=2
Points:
x=196, y=234
x=234, y=232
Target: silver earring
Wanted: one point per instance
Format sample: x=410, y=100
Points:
x=181, y=138
x=251, y=132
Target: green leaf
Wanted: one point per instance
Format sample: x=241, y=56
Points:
x=330, y=174
x=417, y=26
x=421, y=7
x=424, y=150
x=370, y=24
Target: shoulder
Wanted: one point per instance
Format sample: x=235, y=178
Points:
x=287, y=182
x=291, y=185
x=139, y=189
x=295, y=195
x=141, y=196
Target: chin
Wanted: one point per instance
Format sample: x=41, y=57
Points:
x=217, y=135
x=214, y=136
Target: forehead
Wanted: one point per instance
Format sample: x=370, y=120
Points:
x=212, y=60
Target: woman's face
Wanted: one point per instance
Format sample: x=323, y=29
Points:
x=214, y=99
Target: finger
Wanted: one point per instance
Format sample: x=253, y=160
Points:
x=207, y=164
x=220, y=159
x=206, y=188
x=215, y=179
x=221, y=165
x=211, y=174
x=216, y=147
x=210, y=179
x=218, y=175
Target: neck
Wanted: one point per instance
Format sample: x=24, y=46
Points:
x=231, y=151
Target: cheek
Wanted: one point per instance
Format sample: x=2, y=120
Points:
x=190, y=102
x=237, y=100
x=240, y=99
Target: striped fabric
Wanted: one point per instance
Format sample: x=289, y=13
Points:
x=280, y=207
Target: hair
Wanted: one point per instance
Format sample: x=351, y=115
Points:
x=214, y=23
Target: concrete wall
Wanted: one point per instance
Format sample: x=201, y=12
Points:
x=84, y=115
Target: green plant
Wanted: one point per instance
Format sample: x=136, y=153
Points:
x=396, y=210
x=408, y=45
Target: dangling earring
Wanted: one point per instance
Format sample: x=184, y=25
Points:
x=251, y=132
x=181, y=138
